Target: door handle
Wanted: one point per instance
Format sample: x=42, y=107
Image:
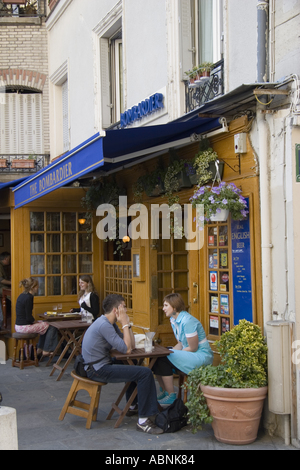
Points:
x=196, y=286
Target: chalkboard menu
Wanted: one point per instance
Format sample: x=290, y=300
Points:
x=241, y=270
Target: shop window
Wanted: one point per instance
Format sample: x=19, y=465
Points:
x=60, y=250
x=219, y=280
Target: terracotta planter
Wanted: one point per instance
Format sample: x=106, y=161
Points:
x=236, y=412
x=23, y=164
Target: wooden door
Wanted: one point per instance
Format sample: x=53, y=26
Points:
x=177, y=272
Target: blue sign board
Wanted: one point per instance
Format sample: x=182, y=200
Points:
x=145, y=108
x=66, y=169
x=241, y=270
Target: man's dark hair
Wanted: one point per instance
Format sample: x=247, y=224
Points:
x=4, y=255
x=112, y=301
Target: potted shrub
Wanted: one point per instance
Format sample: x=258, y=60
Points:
x=205, y=68
x=231, y=395
x=221, y=200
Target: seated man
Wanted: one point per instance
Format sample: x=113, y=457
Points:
x=104, y=335
x=4, y=278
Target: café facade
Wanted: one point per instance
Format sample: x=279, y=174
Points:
x=54, y=239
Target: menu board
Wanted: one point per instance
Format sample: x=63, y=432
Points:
x=241, y=270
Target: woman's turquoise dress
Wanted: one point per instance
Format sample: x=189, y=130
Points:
x=185, y=326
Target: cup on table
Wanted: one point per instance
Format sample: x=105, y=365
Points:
x=59, y=309
x=148, y=345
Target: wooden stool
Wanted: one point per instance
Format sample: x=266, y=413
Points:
x=78, y=408
x=25, y=338
x=182, y=380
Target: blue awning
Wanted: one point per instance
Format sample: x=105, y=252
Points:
x=12, y=184
x=124, y=145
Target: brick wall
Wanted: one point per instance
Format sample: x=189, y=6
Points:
x=24, y=60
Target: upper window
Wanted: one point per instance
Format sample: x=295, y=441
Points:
x=111, y=64
x=21, y=123
x=201, y=32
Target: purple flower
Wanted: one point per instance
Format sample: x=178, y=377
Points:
x=224, y=201
x=244, y=213
x=211, y=198
x=216, y=191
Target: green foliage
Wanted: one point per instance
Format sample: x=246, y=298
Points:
x=104, y=191
x=201, y=163
x=243, y=353
x=198, y=412
x=148, y=183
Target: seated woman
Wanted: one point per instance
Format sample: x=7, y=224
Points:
x=88, y=298
x=25, y=322
x=191, y=351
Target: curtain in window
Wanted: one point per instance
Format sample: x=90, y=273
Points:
x=206, y=31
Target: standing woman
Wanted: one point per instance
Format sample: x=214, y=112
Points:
x=191, y=351
x=25, y=322
x=88, y=298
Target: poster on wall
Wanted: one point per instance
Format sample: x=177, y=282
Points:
x=241, y=270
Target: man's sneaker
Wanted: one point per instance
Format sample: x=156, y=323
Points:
x=162, y=394
x=133, y=411
x=149, y=427
x=168, y=399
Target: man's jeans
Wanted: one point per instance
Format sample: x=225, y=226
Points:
x=142, y=376
x=1, y=314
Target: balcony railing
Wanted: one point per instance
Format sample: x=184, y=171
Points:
x=23, y=163
x=205, y=89
x=26, y=9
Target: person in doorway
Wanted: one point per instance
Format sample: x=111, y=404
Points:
x=104, y=335
x=25, y=322
x=191, y=351
x=5, y=280
x=88, y=298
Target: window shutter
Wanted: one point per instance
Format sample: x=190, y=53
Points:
x=12, y=124
x=65, y=105
x=21, y=124
x=186, y=59
x=105, y=83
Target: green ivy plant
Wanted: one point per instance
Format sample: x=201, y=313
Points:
x=104, y=191
x=148, y=183
x=201, y=164
x=243, y=353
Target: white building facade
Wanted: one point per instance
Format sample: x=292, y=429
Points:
x=107, y=57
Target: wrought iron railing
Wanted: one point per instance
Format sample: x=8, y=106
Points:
x=205, y=89
x=23, y=163
x=33, y=8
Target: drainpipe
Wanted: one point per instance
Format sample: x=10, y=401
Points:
x=263, y=141
x=262, y=41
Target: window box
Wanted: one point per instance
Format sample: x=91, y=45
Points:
x=3, y=163
x=23, y=164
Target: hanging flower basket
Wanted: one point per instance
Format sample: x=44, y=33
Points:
x=220, y=216
x=225, y=196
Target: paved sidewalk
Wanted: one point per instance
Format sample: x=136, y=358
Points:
x=39, y=399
